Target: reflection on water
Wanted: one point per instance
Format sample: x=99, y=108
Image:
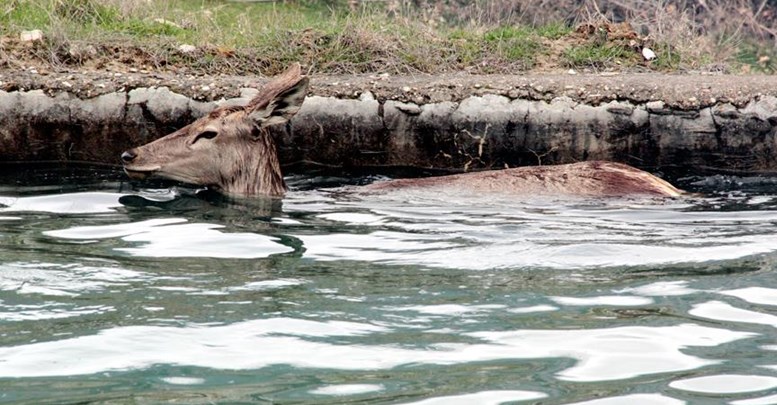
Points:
x=163, y=294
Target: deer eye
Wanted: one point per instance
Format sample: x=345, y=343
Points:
x=205, y=135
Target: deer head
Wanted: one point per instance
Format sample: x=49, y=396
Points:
x=230, y=149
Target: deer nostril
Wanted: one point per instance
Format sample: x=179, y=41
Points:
x=128, y=156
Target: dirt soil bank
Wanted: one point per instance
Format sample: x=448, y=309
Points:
x=452, y=121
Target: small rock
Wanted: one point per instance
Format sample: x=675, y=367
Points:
x=654, y=106
x=80, y=51
x=31, y=36
x=34, y=71
x=615, y=107
x=409, y=108
x=133, y=70
x=205, y=88
x=692, y=99
x=186, y=48
x=571, y=72
x=406, y=89
x=67, y=84
x=726, y=111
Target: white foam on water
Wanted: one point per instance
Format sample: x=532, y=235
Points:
x=183, y=380
x=111, y=231
x=634, y=399
x=446, y=309
x=71, y=203
x=67, y=280
x=533, y=309
x=173, y=237
x=721, y=311
x=661, y=289
x=482, y=398
x=726, y=384
x=754, y=295
x=607, y=300
x=601, y=354
x=266, y=285
x=767, y=400
x=347, y=389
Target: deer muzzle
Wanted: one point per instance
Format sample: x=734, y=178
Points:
x=134, y=170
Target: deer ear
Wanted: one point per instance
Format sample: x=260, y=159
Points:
x=281, y=108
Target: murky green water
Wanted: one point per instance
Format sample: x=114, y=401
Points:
x=114, y=294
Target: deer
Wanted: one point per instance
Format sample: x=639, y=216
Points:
x=232, y=151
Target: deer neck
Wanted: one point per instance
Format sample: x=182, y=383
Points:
x=258, y=171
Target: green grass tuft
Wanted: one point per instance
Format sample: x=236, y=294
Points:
x=598, y=56
x=757, y=58
x=554, y=31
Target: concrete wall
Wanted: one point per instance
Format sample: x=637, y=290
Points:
x=485, y=130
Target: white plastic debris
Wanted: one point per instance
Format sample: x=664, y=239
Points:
x=31, y=36
x=186, y=48
x=648, y=53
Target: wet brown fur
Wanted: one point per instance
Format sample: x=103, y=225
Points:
x=242, y=159
x=585, y=179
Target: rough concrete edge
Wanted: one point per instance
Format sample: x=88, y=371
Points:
x=392, y=117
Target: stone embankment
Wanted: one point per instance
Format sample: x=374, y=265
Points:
x=458, y=122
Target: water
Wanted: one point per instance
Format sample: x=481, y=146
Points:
x=111, y=293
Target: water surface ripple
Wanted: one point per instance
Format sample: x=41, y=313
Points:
x=114, y=294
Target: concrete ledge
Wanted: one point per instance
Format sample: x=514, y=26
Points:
x=366, y=124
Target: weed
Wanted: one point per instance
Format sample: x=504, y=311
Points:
x=554, y=30
x=667, y=58
x=397, y=36
x=514, y=44
x=25, y=16
x=86, y=12
x=598, y=56
x=755, y=58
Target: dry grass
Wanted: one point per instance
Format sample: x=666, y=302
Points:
x=395, y=36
